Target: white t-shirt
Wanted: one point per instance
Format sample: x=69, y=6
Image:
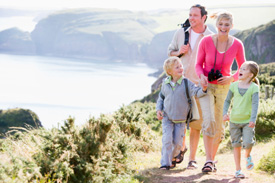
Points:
x=193, y=38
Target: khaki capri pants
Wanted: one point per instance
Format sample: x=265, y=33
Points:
x=212, y=111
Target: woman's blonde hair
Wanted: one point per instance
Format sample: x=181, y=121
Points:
x=254, y=69
x=168, y=64
x=222, y=15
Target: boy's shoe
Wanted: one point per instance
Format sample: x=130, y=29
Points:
x=239, y=174
x=164, y=167
x=180, y=156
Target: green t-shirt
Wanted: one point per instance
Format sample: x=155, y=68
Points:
x=242, y=105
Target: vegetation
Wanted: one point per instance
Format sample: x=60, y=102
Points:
x=102, y=150
x=97, y=152
x=267, y=163
x=267, y=74
x=17, y=118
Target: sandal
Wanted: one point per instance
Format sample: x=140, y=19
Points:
x=209, y=168
x=180, y=156
x=249, y=163
x=192, y=165
x=164, y=167
x=174, y=163
x=239, y=174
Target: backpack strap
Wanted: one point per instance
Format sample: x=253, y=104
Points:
x=185, y=26
x=189, y=114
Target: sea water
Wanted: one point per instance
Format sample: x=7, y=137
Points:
x=58, y=88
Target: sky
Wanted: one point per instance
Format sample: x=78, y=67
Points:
x=133, y=5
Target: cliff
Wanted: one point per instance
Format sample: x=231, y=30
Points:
x=93, y=33
x=259, y=43
x=15, y=41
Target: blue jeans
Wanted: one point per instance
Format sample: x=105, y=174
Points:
x=172, y=136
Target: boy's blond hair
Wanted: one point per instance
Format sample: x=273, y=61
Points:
x=168, y=64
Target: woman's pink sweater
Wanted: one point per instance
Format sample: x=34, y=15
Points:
x=206, y=58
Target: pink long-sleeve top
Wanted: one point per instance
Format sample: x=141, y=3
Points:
x=206, y=58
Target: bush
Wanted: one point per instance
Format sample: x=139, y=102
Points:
x=17, y=118
x=267, y=163
x=265, y=124
x=135, y=120
x=97, y=152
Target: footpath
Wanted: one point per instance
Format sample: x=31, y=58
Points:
x=147, y=167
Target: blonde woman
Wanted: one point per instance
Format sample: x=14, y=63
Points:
x=214, y=61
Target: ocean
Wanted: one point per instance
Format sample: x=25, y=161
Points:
x=58, y=88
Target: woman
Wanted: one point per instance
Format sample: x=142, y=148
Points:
x=214, y=61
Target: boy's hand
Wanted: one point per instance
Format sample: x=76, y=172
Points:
x=251, y=124
x=204, y=87
x=159, y=115
x=226, y=117
x=203, y=81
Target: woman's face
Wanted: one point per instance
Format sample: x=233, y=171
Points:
x=224, y=26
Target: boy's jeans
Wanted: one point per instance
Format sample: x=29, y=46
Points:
x=172, y=136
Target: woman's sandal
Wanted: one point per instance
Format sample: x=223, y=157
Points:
x=209, y=168
x=180, y=156
x=239, y=174
x=192, y=165
x=249, y=163
x=165, y=168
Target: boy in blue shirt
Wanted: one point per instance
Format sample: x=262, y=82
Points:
x=172, y=108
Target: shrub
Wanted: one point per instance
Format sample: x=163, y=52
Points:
x=265, y=124
x=267, y=163
x=17, y=118
x=133, y=120
x=99, y=151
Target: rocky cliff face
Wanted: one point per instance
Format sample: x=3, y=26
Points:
x=116, y=34
x=15, y=41
x=259, y=43
x=93, y=33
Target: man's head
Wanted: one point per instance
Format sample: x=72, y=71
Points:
x=197, y=15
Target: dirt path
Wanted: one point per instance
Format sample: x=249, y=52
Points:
x=147, y=166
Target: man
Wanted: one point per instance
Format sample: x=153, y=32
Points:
x=188, y=53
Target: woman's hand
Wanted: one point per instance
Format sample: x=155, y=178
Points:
x=225, y=80
x=226, y=117
x=159, y=115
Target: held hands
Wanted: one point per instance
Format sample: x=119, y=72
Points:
x=159, y=115
x=183, y=49
x=204, y=87
x=203, y=81
x=226, y=117
x=225, y=80
x=251, y=124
